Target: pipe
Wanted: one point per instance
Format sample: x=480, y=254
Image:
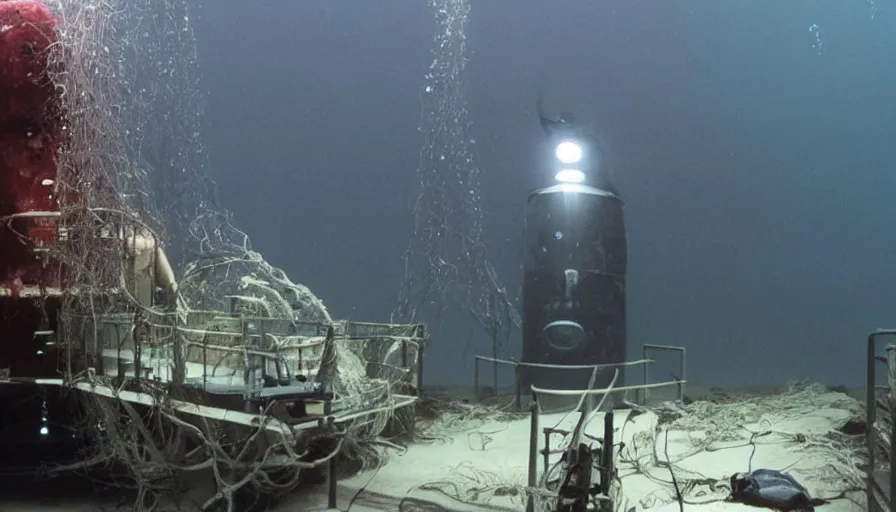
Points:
x=164, y=273
x=331, y=470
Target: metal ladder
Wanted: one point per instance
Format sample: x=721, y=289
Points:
x=881, y=485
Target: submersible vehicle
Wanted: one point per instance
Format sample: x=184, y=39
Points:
x=574, y=274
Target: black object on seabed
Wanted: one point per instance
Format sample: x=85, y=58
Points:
x=771, y=489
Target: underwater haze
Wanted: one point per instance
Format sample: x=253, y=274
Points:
x=753, y=144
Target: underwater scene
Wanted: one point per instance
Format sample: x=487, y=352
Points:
x=447, y=255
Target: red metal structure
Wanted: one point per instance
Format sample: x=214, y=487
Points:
x=33, y=280
x=30, y=131
x=30, y=136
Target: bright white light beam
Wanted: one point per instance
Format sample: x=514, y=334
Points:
x=569, y=152
x=570, y=176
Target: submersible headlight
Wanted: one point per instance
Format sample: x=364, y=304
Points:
x=570, y=176
x=568, y=152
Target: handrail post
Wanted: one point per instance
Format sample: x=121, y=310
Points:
x=420, y=331
x=331, y=470
x=682, y=390
x=533, y=453
x=476, y=377
x=204, y=363
x=891, y=403
x=420, y=347
x=870, y=417
x=646, y=377
x=607, y=459
x=682, y=367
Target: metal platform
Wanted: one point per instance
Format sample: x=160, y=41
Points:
x=227, y=415
x=30, y=291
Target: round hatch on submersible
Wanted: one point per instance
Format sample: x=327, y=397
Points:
x=564, y=334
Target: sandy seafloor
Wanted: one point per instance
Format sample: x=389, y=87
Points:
x=476, y=459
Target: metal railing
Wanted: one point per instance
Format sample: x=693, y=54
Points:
x=606, y=463
x=679, y=382
x=881, y=486
x=682, y=368
x=250, y=344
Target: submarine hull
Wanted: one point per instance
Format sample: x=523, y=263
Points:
x=574, y=286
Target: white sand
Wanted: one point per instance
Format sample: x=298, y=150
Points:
x=482, y=464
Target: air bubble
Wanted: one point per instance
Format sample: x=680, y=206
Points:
x=448, y=214
x=816, y=31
